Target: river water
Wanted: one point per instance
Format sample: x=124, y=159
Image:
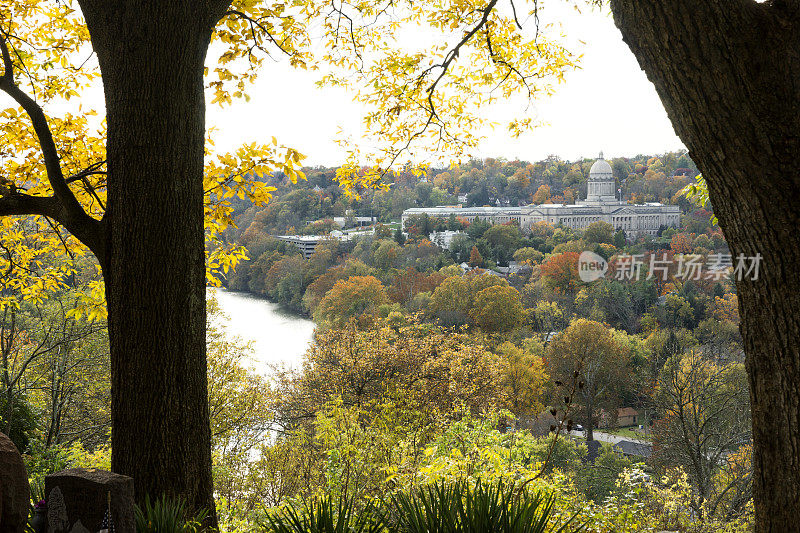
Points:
x=278, y=337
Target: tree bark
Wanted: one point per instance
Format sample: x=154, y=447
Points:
x=589, y=411
x=728, y=73
x=151, y=56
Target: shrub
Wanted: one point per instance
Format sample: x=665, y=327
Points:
x=166, y=515
x=461, y=507
x=325, y=515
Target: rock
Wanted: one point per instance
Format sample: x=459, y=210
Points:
x=77, y=500
x=15, y=493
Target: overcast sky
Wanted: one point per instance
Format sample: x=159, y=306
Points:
x=608, y=105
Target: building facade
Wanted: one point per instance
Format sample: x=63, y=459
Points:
x=494, y=215
x=601, y=204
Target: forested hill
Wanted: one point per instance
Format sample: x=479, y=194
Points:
x=278, y=270
x=644, y=178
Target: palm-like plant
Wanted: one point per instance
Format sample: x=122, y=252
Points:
x=442, y=507
x=324, y=515
x=166, y=515
x=430, y=509
x=461, y=507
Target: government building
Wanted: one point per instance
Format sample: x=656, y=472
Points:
x=601, y=204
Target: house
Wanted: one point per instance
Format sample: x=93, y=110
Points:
x=626, y=416
x=634, y=449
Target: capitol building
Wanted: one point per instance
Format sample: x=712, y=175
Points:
x=601, y=204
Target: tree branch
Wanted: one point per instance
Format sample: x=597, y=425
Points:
x=63, y=206
x=257, y=24
x=24, y=204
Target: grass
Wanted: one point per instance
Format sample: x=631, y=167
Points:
x=632, y=432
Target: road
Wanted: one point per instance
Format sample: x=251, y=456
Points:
x=607, y=437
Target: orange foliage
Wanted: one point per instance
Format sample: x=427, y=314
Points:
x=542, y=195
x=681, y=243
x=411, y=282
x=561, y=272
x=475, y=258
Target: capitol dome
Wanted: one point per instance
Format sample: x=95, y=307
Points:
x=601, y=187
x=601, y=170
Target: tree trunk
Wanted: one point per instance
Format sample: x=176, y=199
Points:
x=588, y=428
x=727, y=72
x=151, y=55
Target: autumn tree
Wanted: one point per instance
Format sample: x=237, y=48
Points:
x=351, y=298
x=739, y=123
x=134, y=193
x=599, y=232
x=524, y=378
x=662, y=344
x=410, y=282
x=681, y=243
x=542, y=195
x=318, y=288
x=547, y=317
x=600, y=359
x=497, y=309
x=57, y=362
x=453, y=300
x=703, y=414
x=560, y=272
x=475, y=258
x=726, y=307
x=529, y=255
x=428, y=369
x=386, y=254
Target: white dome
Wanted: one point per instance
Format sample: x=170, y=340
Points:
x=601, y=170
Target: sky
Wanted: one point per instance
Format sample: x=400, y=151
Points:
x=607, y=105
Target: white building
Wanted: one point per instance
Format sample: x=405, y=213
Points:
x=442, y=239
x=307, y=244
x=601, y=204
x=358, y=222
x=495, y=215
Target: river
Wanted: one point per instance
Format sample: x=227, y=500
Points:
x=278, y=337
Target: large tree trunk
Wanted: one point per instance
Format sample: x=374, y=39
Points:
x=151, y=56
x=728, y=73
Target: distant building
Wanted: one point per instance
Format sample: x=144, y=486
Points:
x=307, y=244
x=356, y=221
x=601, y=204
x=636, y=450
x=443, y=238
x=626, y=416
x=493, y=215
